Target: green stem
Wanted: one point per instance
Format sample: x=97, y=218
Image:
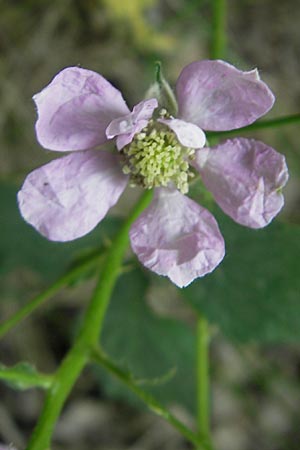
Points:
x=23, y=376
x=203, y=409
x=96, y=311
x=63, y=382
x=78, y=356
x=218, y=43
x=151, y=402
x=27, y=309
x=260, y=125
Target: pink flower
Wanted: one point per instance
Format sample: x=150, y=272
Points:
x=175, y=237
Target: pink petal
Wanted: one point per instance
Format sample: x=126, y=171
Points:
x=75, y=109
x=177, y=238
x=188, y=134
x=68, y=197
x=245, y=177
x=216, y=96
x=126, y=127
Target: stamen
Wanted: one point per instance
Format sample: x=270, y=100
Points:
x=155, y=158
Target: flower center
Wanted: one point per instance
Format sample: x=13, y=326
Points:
x=155, y=158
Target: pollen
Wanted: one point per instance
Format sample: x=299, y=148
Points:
x=155, y=158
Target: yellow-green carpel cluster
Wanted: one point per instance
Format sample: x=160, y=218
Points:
x=155, y=158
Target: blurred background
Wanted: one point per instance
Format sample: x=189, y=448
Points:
x=255, y=315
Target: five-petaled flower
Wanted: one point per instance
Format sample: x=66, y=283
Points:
x=176, y=237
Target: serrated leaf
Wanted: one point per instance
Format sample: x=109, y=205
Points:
x=24, y=376
x=148, y=346
x=254, y=295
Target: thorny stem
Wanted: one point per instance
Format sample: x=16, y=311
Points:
x=78, y=356
x=125, y=377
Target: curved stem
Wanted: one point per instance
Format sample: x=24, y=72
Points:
x=125, y=377
x=78, y=356
x=100, y=300
x=40, y=299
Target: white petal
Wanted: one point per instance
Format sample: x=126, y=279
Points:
x=188, y=134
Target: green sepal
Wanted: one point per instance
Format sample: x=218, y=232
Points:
x=162, y=91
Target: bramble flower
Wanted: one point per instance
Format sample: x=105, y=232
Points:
x=175, y=237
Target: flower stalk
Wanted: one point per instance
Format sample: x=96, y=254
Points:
x=79, y=354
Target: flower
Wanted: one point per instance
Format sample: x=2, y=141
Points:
x=175, y=237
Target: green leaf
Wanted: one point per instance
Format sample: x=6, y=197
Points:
x=254, y=295
x=21, y=245
x=150, y=347
x=24, y=376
